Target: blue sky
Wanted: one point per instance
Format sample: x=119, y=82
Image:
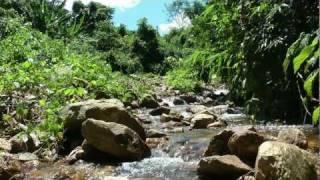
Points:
x=128, y=12
x=153, y=10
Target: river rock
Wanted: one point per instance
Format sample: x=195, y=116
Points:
x=24, y=143
x=76, y=154
x=245, y=144
x=219, y=143
x=9, y=167
x=281, y=161
x=5, y=145
x=201, y=121
x=189, y=98
x=134, y=105
x=220, y=109
x=114, y=139
x=152, y=133
x=248, y=176
x=293, y=136
x=108, y=110
x=160, y=143
x=149, y=101
x=178, y=101
x=227, y=166
x=217, y=124
x=171, y=117
x=207, y=101
x=197, y=109
x=160, y=110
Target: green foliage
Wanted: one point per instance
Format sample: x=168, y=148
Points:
x=246, y=44
x=182, y=79
x=303, y=57
x=316, y=115
x=146, y=46
x=55, y=74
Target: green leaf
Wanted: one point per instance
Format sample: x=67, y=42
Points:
x=304, y=55
x=42, y=103
x=26, y=65
x=316, y=115
x=308, y=84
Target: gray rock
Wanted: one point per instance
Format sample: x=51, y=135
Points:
x=219, y=143
x=293, y=136
x=108, y=110
x=202, y=120
x=114, y=139
x=171, y=117
x=197, y=109
x=189, y=98
x=5, y=145
x=76, y=154
x=220, y=109
x=217, y=124
x=227, y=166
x=245, y=144
x=160, y=110
x=24, y=143
x=281, y=161
x=149, y=101
x=152, y=133
x=9, y=167
x=178, y=101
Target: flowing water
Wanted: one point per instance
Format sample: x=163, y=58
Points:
x=176, y=160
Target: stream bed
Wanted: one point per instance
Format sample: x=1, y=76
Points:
x=175, y=159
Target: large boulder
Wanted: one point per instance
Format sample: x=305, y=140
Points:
x=293, y=136
x=281, y=161
x=202, y=120
x=108, y=110
x=114, y=139
x=224, y=167
x=149, y=101
x=219, y=143
x=245, y=144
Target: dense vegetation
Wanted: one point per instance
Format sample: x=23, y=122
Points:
x=265, y=51
x=245, y=44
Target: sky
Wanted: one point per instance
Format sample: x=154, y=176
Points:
x=128, y=12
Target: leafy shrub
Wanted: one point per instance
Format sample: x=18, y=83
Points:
x=182, y=79
x=54, y=74
x=302, y=62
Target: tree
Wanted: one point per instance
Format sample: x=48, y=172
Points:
x=186, y=8
x=146, y=45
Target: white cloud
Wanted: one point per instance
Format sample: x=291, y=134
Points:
x=179, y=21
x=122, y=4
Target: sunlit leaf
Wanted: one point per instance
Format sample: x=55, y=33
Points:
x=308, y=84
x=304, y=55
x=316, y=115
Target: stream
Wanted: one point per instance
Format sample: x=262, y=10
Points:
x=175, y=158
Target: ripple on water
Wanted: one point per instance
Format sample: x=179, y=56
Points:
x=160, y=166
